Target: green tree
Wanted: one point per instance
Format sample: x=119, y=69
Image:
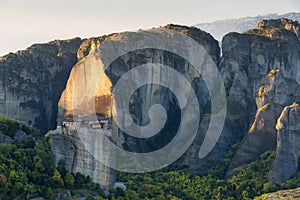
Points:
x=270, y=187
x=61, y=166
x=89, y=197
x=245, y=195
x=9, y=126
x=47, y=159
x=69, y=180
x=58, y=181
x=131, y=194
x=79, y=180
x=30, y=190
x=38, y=162
x=50, y=194
x=17, y=181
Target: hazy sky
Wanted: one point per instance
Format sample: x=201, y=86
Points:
x=24, y=22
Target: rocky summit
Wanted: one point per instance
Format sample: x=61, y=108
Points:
x=261, y=73
x=273, y=75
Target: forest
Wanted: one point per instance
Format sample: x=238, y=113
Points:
x=27, y=170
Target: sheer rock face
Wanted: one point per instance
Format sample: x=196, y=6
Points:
x=273, y=49
x=69, y=147
x=260, y=68
x=148, y=95
x=32, y=80
x=288, y=140
x=247, y=58
x=274, y=93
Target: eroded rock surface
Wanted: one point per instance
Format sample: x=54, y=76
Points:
x=32, y=80
x=68, y=146
x=261, y=68
x=288, y=140
x=274, y=93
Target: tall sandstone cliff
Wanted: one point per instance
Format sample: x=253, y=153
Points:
x=288, y=150
x=271, y=67
x=260, y=69
x=149, y=94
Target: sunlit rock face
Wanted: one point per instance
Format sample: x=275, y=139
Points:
x=32, y=80
x=288, y=150
x=93, y=90
x=261, y=74
x=83, y=100
x=282, y=23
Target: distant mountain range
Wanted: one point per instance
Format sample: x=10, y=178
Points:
x=221, y=27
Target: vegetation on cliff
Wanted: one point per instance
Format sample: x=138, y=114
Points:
x=27, y=169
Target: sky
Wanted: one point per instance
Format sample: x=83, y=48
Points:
x=25, y=22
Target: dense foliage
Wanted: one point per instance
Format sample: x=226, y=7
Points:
x=9, y=126
x=250, y=182
x=27, y=170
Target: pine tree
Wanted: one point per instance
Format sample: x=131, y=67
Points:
x=58, y=181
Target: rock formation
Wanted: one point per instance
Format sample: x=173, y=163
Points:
x=281, y=194
x=4, y=139
x=273, y=48
x=283, y=23
x=261, y=72
x=68, y=147
x=273, y=95
x=19, y=135
x=31, y=81
x=147, y=95
x=261, y=75
x=288, y=140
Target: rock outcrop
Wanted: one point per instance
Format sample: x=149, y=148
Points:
x=288, y=140
x=19, y=135
x=273, y=95
x=86, y=74
x=149, y=94
x=261, y=74
x=31, y=81
x=282, y=23
x=262, y=71
x=66, y=145
x=4, y=139
x=281, y=194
